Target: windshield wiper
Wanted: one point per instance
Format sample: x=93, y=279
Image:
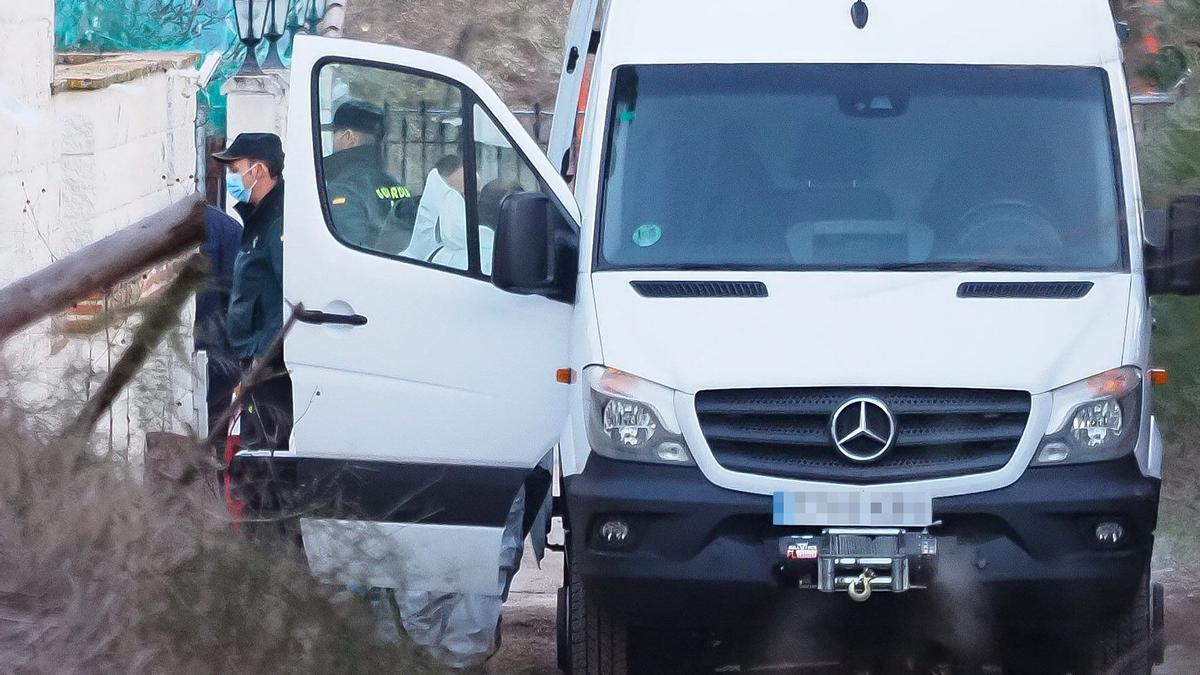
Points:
x=965, y=266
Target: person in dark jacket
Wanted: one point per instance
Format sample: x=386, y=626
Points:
x=369, y=207
x=254, y=177
x=222, y=239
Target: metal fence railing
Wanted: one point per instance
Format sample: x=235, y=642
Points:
x=418, y=137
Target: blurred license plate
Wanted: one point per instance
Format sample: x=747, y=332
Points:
x=854, y=508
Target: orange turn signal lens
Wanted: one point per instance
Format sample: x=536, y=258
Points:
x=1158, y=376
x=618, y=382
x=1114, y=382
x=564, y=376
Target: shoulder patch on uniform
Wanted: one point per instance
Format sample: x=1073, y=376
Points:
x=338, y=201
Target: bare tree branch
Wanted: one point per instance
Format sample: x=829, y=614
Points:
x=158, y=319
x=102, y=264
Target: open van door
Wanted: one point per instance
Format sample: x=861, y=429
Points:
x=424, y=396
x=573, y=80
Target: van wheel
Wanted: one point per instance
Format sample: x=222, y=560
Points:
x=599, y=639
x=562, y=629
x=1125, y=644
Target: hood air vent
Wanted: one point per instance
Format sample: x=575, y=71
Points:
x=700, y=289
x=1035, y=290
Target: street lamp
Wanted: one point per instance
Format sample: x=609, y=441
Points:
x=276, y=25
x=295, y=18
x=315, y=11
x=251, y=16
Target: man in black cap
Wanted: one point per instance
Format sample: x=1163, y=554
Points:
x=254, y=176
x=369, y=207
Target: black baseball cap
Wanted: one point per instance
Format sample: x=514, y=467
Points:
x=262, y=147
x=359, y=116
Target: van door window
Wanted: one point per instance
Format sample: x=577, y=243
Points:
x=405, y=176
x=392, y=161
x=501, y=172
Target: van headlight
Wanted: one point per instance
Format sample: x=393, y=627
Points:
x=1094, y=420
x=633, y=419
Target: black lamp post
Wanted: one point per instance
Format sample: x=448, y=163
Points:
x=315, y=11
x=276, y=25
x=295, y=18
x=251, y=16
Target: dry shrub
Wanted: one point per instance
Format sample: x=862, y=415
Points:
x=102, y=573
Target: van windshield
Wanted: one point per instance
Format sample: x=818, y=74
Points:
x=861, y=167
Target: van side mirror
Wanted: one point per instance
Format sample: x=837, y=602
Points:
x=1173, y=248
x=536, y=251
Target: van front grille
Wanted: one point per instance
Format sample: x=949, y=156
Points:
x=787, y=432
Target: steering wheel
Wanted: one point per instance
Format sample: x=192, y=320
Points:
x=1011, y=229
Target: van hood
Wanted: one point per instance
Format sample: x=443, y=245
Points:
x=861, y=329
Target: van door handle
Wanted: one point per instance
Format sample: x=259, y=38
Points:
x=315, y=316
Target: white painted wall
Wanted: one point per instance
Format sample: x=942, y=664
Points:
x=30, y=174
x=78, y=166
x=126, y=151
x=27, y=134
x=256, y=104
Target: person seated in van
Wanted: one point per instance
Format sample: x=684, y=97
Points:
x=366, y=203
x=490, y=198
x=453, y=251
x=442, y=210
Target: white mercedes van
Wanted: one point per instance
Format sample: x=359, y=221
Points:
x=846, y=310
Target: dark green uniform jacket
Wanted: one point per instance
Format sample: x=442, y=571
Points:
x=256, y=300
x=369, y=207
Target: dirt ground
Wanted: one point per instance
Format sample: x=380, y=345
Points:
x=528, y=638
x=1183, y=624
x=528, y=646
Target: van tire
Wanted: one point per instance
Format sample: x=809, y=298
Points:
x=599, y=639
x=1125, y=644
x=562, y=629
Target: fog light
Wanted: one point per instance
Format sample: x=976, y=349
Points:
x=614, y=533
x=1110, y=533
x=1053, y=452
x=673, y=452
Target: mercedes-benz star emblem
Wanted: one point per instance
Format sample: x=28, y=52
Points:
x=864, y=429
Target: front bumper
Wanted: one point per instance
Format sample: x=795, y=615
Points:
x=706, y=551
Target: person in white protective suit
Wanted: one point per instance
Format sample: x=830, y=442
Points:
x=453, y=250
x=441, y=212
x=460, y=630
x=449, y=233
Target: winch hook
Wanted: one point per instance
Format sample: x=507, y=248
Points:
x=860, y=588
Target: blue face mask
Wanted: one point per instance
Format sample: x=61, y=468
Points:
x=236, y=186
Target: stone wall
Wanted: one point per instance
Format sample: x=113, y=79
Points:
x=126, y=149
x=29, y=172
x=91, y=146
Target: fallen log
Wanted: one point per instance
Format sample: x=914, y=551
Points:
x=162, y=235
